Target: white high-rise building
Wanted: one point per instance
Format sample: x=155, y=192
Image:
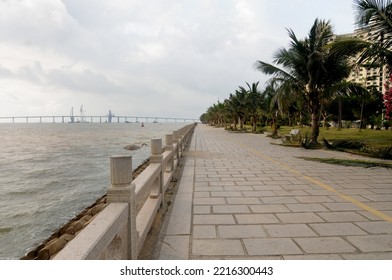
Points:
x=369, y=76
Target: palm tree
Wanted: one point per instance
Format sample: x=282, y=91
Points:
x=215, y=114
x=309, y=69
x=237, y=105
x=271, y=106
x=254, y=101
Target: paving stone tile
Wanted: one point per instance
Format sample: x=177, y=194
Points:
x=221, y=176
x=376, y=227
x=379, y=197
x=213, y=219
x=269, y=208
x=382, y=190
x=237, y=188
x=358, y=191
x=256, y=219
x=197, y=209
x=288, y=178
x=267, y=187
x=232, y=173
x=318, y=192
x=256, y=183
x=200, y=184
x=381, y=206
x=313, y=257
x=296, y=218
x=206, y=179
x=241, y=231
x=256, y=177
x=307, y=207
x=226, y=194
x=209, y=189
x=297, y=187
x=335, y=229
x=224, y=209
x=217, y=247
x=324, y=245
x=372, y=243
x=221, y=183
x=258, y=193
x=271, y=246
x=313, y=199
x=368, y=256
x=291, y=230
x=370, y=216
x=341, y=216
x=278, y=200
x=279, y=182
x=290, y=192
x=208, y=200
x=201, y=194
x=201, y=232
x=235, y=180
x=243, y=200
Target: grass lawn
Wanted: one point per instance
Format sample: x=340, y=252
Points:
x=374, y=138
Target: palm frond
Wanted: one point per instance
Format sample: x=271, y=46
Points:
x=376, y=13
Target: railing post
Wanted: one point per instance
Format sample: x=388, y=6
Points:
x=183, y=143
x=169, y=148
x=176, y=140
x=157, y=157
x=123, y=191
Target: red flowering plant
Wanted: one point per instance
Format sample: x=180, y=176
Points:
x=388, y=99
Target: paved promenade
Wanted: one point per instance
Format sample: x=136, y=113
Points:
x=239, y=197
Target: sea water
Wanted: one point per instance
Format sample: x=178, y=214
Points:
x=50, y=172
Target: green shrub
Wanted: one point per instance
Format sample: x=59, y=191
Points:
x=348, y=144
x=327, y=144
x=260, y=129
x=383, y=153
x=306, y=141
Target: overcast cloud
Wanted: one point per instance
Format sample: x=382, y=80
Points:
x=147, y=58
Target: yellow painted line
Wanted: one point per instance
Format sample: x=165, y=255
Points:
x=321, y=184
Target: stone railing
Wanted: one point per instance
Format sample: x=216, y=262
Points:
x=119, y=231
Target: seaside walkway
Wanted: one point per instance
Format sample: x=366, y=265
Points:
x=240, y=197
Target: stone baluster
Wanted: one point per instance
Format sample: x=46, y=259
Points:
x=122, y=190
x=176, y=140
x=169, y=148
x=157, y=157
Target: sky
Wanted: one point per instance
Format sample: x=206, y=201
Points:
x=161, y=58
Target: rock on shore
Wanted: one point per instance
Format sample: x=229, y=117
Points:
x=133, y=147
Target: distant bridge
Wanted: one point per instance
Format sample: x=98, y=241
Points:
x=90, y=119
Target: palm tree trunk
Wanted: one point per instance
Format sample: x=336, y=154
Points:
x=274, y=128
x=360, y=118
x=242, y=121
x=315, y=123
x=340, y=114
x=254, y=124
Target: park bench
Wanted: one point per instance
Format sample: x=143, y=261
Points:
x=293, y=135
